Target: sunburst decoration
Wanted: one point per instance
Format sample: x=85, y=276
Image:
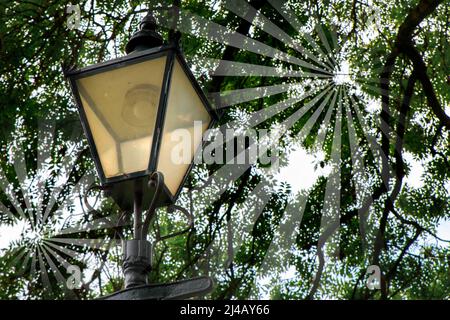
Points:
x=49, y=238
x=335, y=99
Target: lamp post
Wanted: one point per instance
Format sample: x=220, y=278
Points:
x=132, y=109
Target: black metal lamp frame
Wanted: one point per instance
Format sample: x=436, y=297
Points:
x=119, y=186
x=145, y=191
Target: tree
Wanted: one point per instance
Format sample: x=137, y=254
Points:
x=252, y=233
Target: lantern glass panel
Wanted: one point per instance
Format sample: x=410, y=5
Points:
x=121, y=107
x=186, y=119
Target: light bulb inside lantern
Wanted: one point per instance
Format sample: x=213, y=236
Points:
x=140, y=105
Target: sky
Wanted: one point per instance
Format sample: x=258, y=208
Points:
x=301, y=175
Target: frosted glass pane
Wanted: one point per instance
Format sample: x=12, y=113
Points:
x=121, y=107
x=179, y=141
x=106, y=146
x=131, y=154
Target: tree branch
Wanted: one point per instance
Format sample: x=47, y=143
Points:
x=421, y=69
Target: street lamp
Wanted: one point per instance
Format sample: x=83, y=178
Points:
x=134, y=110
